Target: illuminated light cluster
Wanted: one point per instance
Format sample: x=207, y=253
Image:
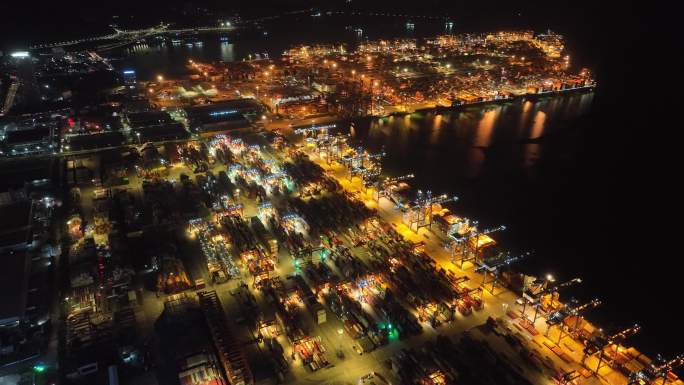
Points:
x=222, y=113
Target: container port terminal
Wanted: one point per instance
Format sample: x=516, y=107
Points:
x=224, y=228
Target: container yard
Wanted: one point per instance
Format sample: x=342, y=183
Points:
x=323, y=264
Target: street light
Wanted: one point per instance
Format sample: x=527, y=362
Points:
x=160, y=78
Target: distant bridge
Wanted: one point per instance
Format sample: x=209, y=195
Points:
x=124, y=37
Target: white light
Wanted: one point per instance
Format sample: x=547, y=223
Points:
x=20, y=54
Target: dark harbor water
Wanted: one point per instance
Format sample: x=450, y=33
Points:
x=536, y=167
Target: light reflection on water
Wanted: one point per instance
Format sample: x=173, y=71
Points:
x=227, y=52
x=538, y=125
x=459, y=143
x=485, y=127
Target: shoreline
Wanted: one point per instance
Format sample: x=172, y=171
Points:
x=485, y=103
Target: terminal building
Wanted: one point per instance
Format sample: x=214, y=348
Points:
x=155, y=126
x=29, y=135
x=223, y=116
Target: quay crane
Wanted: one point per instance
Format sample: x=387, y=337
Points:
x=654, y=372
x=313, y=131
x=361, y=160
x=384, y=187
x=471, y=243
x=332, y=146
x=557, y=318
x=491, y=268
x=535, y=298
x=599, y=343
x=370, y=175
x=419, y=213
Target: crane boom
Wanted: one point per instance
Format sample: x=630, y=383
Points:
x=589, y=305
x=563, y=285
